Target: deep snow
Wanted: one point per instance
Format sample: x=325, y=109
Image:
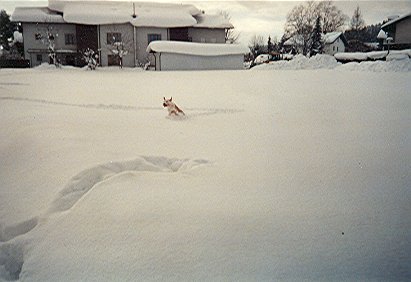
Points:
x=273, y=175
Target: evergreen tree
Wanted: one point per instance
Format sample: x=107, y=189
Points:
x=6, y=29
x=269, y=45
x=316, y=42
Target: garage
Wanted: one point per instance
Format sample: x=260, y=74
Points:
x=173, y=55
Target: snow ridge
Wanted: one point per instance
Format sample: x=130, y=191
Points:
x=89, y=178
x=86, y=180
x=12, y=252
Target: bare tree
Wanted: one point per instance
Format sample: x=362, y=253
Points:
x=301, y=21
x=119, y=44
x=332, y=18
x=231, y=35
x=256, y=45
x=48, y=36
x=300, y=24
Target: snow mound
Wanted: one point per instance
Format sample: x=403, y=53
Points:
x=302, y=62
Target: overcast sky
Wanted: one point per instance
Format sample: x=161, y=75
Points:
x=266, y=17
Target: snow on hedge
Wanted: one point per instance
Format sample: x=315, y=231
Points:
x=299, y=62
x=199, y=49
x=364, y=56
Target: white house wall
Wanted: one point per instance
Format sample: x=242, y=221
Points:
x=403, y=31
x=336, y=47
x=204, y=35
x=126, y=31
x=31, y=43
x=171, y=61
x=142, y=41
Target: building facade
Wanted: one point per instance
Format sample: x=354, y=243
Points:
x=73, y=30
x=399, y=29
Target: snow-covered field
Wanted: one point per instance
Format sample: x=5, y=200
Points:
x=273, y=175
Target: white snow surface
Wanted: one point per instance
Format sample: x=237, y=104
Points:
x=194, y=48
x=272, y=175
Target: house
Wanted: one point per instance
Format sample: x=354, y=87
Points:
x=334, y=42
x=399, y=29
x=173, y=55
x=101, y=26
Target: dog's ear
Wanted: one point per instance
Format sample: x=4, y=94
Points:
x=164, y=98
x=171, y=99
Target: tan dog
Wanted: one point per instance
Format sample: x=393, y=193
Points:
x=172, y=108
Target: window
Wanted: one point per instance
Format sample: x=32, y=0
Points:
x=37, y=36
x=153, y=37
x=39, y=58
x=69, y=38
x=113, y=37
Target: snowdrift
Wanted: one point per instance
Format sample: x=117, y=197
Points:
x=272, y=175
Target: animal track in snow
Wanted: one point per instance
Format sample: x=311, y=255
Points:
x=195, y=112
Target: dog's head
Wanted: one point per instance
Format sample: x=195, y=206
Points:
x=167, y=102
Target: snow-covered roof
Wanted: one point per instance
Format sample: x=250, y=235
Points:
x=327, y=38
x=212, y=21
x=396, y=20
x=36, y=14
x=115, y=12
x=198, y=49
x=149, y=14
x=330, y=37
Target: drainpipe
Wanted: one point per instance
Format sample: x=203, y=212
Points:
x=99, y=46
x=134, y=35
x=135, y=45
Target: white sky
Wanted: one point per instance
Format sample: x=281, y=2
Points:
x=265, y=17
